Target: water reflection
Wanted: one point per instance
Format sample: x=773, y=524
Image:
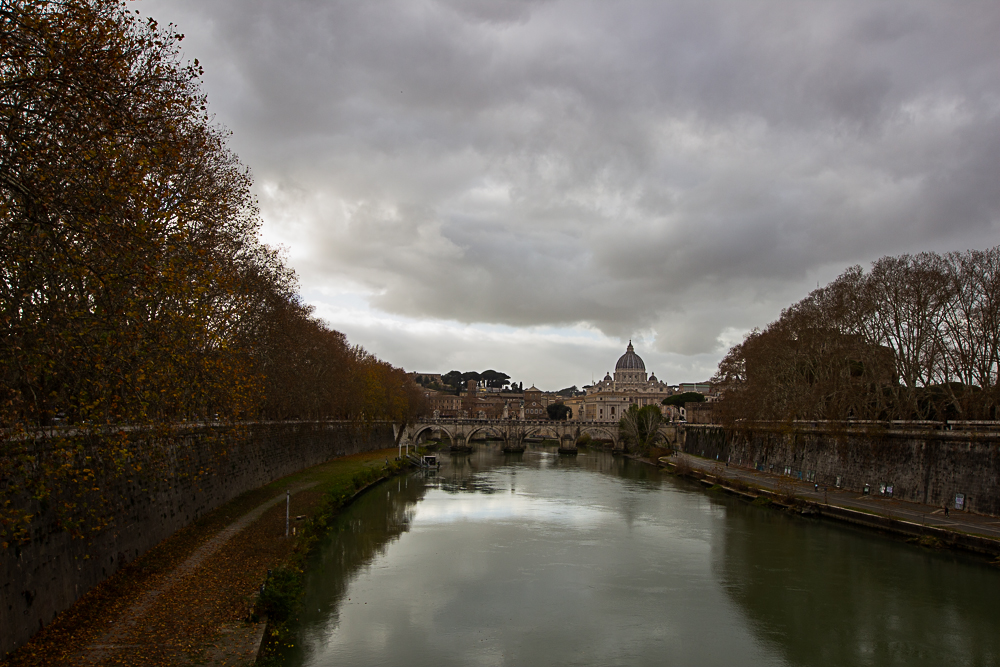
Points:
x=827, y=595
x=534, y=558
x=354, y=540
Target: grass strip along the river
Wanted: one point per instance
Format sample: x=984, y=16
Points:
x=200, y=596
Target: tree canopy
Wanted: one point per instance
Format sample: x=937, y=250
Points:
x=133, y=284
x=686, y=397
x=558, y=411
x=640, y=426
x=488, y=378
x=916, y=337
x=134, y=288
x=495, y=379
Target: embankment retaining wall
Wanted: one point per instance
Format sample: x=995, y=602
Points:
x=928, y=467
x=155, y=490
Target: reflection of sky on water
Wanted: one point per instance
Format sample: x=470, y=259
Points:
x=507, y=495
x=530, y=566
x=439, y=507
x=598, y=561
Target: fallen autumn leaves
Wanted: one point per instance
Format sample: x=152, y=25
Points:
x=195, y=614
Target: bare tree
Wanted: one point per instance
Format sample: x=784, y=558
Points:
x=641, y=426
x=917, y=337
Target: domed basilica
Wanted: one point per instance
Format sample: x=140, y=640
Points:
x=609, y=398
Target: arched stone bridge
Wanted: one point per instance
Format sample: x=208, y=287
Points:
x=514, y=432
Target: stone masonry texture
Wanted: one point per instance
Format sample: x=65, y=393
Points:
x=923, y=466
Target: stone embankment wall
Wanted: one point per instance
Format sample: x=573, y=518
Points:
x=166, y=487
x=924, y=466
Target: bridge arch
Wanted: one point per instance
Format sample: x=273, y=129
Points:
x=485, y=428
x=423, y=428
x=543, y=430
x=603, y=432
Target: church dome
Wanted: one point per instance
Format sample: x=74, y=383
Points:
x=630, y=361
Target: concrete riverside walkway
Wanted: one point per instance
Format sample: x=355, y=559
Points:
x=912, y=514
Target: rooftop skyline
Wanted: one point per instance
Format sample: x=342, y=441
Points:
x=527, y=185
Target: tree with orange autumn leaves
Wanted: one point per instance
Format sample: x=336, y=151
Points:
x=134, y=289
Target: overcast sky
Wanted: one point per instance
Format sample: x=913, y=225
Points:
x=526, y=185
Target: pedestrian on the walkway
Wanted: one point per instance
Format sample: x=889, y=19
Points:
x=946, y=510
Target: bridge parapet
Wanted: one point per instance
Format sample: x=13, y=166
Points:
x=513, y=432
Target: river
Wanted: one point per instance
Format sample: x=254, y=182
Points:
x=538, y=559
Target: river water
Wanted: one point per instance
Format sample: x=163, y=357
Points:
x=538, y=559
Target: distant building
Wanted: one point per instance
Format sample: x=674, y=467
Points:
x=575, y=404
x=534, y=406
x=700, y=413
x=443, y=405
x=698, y=387
x=502, y=405
x=608, y=399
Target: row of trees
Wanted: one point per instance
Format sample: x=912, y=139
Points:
x=458, y=380
x=133, y=285
x=916, y=337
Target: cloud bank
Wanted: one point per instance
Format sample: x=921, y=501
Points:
x=520, y=179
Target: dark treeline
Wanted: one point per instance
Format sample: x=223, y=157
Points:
x=133, y=285
x=489, y=378
x=916, y=337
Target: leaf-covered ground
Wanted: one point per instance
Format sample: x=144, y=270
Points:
x=154, y=611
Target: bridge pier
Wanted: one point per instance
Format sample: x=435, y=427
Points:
x=567, y=444
x=460, y=444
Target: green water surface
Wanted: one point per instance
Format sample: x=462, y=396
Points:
x=538, y=559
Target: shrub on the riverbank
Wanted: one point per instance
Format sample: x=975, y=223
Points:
x=655, y=452
x=367, y=476
x=279, y=596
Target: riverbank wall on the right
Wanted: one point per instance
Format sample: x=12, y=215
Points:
x=956, y=469
x=936, y=536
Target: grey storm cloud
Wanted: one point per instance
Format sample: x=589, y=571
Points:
x=674, y=168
